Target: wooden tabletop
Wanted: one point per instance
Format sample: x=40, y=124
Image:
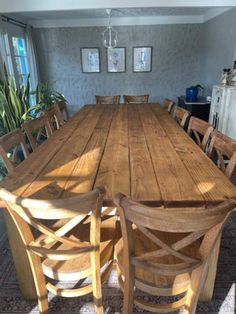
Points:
x=138, y=150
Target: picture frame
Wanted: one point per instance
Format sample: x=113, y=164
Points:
x=90, y=60
x=116, y=60
x=142, y=59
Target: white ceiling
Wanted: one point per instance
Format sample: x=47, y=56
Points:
x=67, y=13
x=101, y=13
x=12, y=6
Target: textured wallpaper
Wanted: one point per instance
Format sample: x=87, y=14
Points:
x=218, y=48
x=175, y=62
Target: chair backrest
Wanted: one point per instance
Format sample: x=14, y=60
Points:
x=64, y=110
x=181, y=115
x=168, y=104
x=225, y=148
x=36, y=129
x=57, y=243
x=136, y=99
x=107, y=99
x=167, y=233
x=55, y=117
x=10, y=143
x=198, y=128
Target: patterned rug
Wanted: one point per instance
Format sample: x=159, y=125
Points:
x=223, y=301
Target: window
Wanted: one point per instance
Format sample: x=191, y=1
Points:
x=17, y=52
x=16, y=58
x=20, y=58
x=8, y=56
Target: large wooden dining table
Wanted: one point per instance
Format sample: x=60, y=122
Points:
x=136, y=149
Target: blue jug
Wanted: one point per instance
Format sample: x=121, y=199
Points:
x=191, y=93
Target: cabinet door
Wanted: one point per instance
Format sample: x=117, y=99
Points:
x=216, y=107
x=230, y=122
x=223, y=109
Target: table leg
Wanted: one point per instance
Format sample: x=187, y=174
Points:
x=24, y=275
x=208, y=289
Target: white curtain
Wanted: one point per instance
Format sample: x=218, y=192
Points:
x=3, y=48
x=32, y=58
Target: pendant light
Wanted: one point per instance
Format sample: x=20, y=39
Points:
x=109, y=35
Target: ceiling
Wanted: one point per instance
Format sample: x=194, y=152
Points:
x=69, y=13
x=101, y=13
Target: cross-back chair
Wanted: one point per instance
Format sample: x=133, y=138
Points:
x=201, y=130
x=168, y=104
x=37, y=129
x=9, y=146
x=108, y=99
x=55, y=117
x=225, y=149
x=181, y=115
x=136, y=99
x=64, y=110
x=165, y=252
x=77, y=245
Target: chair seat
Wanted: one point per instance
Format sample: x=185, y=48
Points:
x=80, y=267
x=175, y=284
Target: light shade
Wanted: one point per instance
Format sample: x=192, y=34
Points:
x=109, y=35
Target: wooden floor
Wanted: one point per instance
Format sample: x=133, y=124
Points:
x=138, y=150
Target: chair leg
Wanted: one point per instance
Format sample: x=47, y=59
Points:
x=97, y=297
x=197, y=281
x=97, y=286
x=128, y=291
x=43, y=304
x=40, y=283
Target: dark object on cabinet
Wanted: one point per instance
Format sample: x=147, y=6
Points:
x=199, y=109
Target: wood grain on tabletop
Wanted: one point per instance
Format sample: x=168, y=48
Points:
x=137, y=149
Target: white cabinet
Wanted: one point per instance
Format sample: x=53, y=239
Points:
x=223, y=109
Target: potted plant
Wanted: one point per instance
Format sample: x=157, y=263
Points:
x=16, y=104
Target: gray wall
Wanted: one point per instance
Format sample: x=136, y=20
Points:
x=175, y=66
x=183, y=55
x=218, y=48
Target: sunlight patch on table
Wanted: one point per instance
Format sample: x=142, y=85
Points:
x=205, y=186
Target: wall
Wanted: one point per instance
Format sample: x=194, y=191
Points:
x=218, y=48
x=175, y=66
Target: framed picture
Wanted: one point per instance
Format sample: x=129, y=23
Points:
x=142, y=59
x=115, y=60
x=90, y=59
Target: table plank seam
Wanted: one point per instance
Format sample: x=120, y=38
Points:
x=56, y=151
x=104, y=147
x=159, y=202
x=84, y=149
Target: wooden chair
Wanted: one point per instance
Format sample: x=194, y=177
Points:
x=75, y=248
x=197, y=128
x=168, y=104
x=166, y=251
x=55, y=117
x=64, y=110
x=107, y=99
x=181, y=115
x=10, y=143
x=36, y=129
x=225, y=149
x=136, y=99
